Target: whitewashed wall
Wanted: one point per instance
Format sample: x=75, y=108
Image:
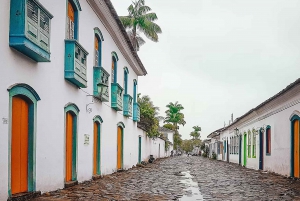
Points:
x=55, y=92
x=277, y=115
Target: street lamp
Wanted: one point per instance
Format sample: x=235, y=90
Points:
x=102, y=89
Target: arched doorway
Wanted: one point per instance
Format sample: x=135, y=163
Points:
x=71, y=112
x=97, y=146
x=23, y=102
x=245, y=150
x=295, y=146
x=120, y=148
x=261, y=149
x=19, y=145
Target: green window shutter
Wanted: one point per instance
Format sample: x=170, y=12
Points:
x=32, y=21
x=44, y=30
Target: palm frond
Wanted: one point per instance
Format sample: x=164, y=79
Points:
x=127, y=21
x=151, y=16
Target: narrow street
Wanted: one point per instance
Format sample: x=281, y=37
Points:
x=177, y=178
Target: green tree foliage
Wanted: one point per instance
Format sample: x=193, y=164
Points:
x=140, y=20
x=187, y=145
x=196, y=133
x=148, y=116
x=175, y=117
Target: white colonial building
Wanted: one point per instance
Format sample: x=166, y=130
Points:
x=268, y=136
x=68, y=92
x=169, y=135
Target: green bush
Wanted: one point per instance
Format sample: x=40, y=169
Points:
x=214, y=155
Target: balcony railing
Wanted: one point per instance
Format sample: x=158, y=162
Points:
x=101, y=76
x=136, y=112
x=127, y=103
x=116, y=97
x=75, y=63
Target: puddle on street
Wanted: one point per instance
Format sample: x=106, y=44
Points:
x=192, y=189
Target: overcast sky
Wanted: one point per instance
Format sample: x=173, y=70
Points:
x=218, y=57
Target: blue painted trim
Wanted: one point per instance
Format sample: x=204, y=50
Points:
x=140, y=150
x=121, y=124
x=261, y=150
x=98, y=33
x=126, y=72
x=114, y=54
x=134, y=91
x=135, y=81
x=98, y=119
x=267, y=139
x=72, y=107
x=24, y=89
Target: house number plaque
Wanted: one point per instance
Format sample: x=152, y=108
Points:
x=86, y=139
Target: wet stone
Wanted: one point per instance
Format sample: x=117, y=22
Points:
x=166, y=179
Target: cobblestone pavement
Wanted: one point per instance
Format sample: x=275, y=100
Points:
x=163, y=180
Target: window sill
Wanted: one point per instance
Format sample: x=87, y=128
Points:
x=268, y=154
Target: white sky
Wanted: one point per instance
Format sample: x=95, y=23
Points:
x=218, y=57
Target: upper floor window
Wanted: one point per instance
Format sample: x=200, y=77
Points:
x=126, y=72
x=254, y=144
x=268, y=140
x=72, y=19
x=249, y=144
x=114, y=67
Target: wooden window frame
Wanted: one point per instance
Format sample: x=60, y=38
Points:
x=268, y=140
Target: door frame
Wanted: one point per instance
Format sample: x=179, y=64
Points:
x=32, y=98
x=293, y=119
x=227, y=158
x=240, y=150
x=261, y=149
x=122, y=126
x=98, y=119
x=245, y=150
x=71, y=107
x=140, y=150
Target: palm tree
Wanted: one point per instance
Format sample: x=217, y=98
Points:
x=196, y=133
x=139, y=19
x=175, y=117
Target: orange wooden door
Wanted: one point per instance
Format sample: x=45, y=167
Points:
x=69, y=143
x=96, y=148
x=19, y=146
x=296, y=149
x=71, y=13
x=119, y=157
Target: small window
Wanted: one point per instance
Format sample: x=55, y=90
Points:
x=268, y=140
x=113, y=70
x=70, y=22
x=254, y=145
x=249, y=144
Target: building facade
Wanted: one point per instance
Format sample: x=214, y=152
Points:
x=267, y=137
x=68, y=93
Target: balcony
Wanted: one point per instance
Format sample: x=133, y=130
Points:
x=127, y=102
x=29, y=31
x=101, y=90
x=136, y=112
x=116, y=97
x=75, y=63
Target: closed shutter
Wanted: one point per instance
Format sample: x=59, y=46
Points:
x=44, y=29
x=32, y=18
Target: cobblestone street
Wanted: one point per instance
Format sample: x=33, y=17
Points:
x=168, y=179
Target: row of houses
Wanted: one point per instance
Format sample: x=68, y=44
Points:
x=266, y=138
x=68, y=88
